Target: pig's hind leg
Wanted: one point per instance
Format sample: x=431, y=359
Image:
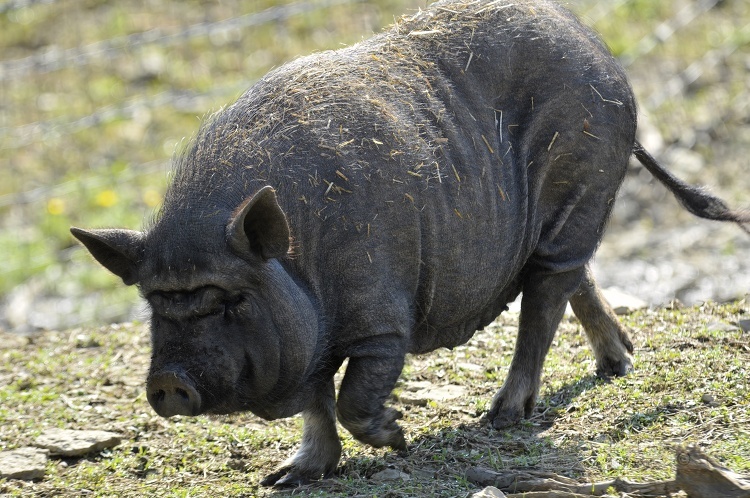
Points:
x=609, y=339
x=544, y=299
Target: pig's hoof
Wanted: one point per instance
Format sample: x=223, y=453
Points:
x=614, y=355
x=509, y=407
x=284, y=477
x=395, y=436
x=291, y=476
x=316, y=459
x=504, y=418
x=386, y=432
x=614, y=367
x=378, y=431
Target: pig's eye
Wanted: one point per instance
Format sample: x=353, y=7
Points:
x=222, y=308
x=230, y=304
x=215, y=311
x=195, y=304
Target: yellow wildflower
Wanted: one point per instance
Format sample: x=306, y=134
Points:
x=106, y=198
x=55, y=206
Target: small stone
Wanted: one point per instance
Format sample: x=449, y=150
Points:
x=390, y=475
x=744, y=325
x=23, y=463
x=70, y=443
x=622, y=303
x=424, y=474
x=709, y=400
x=720, y=327
x=421, y=397
x=489, y=492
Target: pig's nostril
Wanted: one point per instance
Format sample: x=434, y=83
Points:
x=172, y=393
x=157, y=396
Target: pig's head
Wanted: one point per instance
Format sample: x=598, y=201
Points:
x=231, y=329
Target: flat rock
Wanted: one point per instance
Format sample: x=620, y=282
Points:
x=489, y=492
x=416, y=385
x=23, y=463
x=71, y=443
x=745, y=325
x=623, y=303
x=424, y=395
x=471, y=367
x=390, y=475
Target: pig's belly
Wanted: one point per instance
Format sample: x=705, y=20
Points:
x=452, y=321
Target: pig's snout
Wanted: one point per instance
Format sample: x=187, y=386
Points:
x=171, y=393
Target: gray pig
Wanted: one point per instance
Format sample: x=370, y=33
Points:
x=383, y=199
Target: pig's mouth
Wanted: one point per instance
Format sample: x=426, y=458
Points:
x=247, y=400
x=258, y=406
x=236, y=407
x=234, y=398
x=278, y=402
x=271, y=411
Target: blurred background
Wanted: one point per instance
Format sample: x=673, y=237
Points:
x=96, y=95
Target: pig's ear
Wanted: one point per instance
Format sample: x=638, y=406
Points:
x=119, y=251
x=259, y=227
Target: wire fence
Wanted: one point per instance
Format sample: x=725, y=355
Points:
x=54, y=59
x=49, y=60
x=15, y=137
x=12, y=5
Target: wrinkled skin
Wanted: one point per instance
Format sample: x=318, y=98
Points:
x=379, y=200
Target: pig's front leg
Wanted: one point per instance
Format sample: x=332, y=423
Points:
x=318, y=455
x=366, y=386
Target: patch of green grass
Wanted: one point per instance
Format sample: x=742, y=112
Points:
x=582, y=427
x=666, y=401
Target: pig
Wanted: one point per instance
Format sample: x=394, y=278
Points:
x=388, y=198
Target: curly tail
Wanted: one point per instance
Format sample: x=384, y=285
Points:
x=697, y=200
